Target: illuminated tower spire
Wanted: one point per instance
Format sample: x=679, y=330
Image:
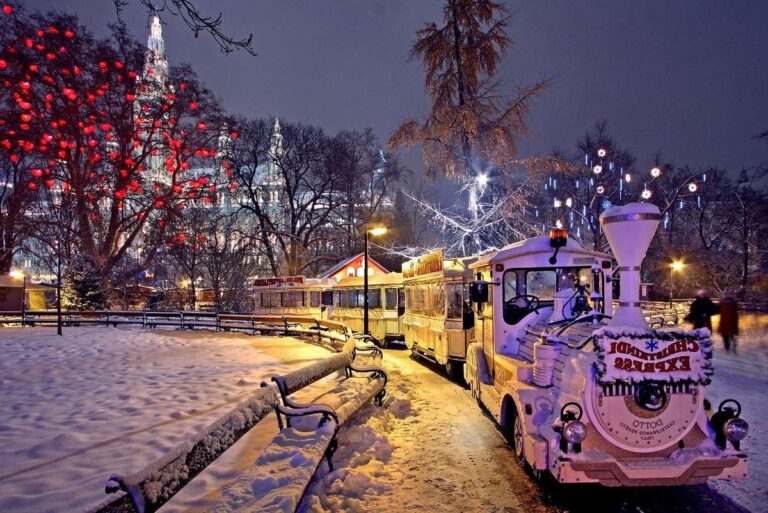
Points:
x=156, y=65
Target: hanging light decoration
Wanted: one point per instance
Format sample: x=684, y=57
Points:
x=559, y=224
x=568, y=202
x=597, y=169
x=628, y=177
x=692, y=187
x=646, y=194
x=558, y=203
x=656, y=172
x=600, y=189
x=601, y=152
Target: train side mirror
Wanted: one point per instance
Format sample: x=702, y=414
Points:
x=478, y=292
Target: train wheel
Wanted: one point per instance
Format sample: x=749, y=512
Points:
x=455, y=370
x=514, y=432
x=518, y=438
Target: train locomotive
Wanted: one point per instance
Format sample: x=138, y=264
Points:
x=585, y=392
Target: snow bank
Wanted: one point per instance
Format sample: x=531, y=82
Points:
x=76, y=409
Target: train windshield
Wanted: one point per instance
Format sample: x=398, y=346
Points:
x=526, y=289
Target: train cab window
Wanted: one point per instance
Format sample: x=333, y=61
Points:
x=542, y=284
x=327, y=298
x=523, y=297
x=314, y=298
x=390, y=298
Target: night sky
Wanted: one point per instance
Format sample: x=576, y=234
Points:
x=687, y=78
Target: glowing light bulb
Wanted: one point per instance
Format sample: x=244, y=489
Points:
x=692, y=187
x=646, y=194
x=656, y=172
x=568, y=202
x=628, y=177
x=600, y=189
x=597, y=169
x=558, y=203
x=559, y=224
x=601, y=152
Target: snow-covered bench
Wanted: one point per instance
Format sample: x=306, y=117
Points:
x=276, y=482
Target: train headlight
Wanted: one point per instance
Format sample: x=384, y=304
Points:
x=736, y=429
x=728, y=426
x=575, y=432
x=572, y=431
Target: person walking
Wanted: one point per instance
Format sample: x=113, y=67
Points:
x=702, y=310
x=728, y=327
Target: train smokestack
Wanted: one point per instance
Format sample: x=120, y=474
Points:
x=629, y=230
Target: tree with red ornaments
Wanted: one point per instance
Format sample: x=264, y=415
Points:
x=89, y=120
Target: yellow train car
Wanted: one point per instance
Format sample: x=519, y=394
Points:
x=386, y=305
x=438, y=321
x=293, y=295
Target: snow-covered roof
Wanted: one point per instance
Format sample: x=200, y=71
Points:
x=349, y=261
x=534, y=245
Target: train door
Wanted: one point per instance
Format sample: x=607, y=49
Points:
x=484, y=331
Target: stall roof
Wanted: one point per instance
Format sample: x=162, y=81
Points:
x=338, y=271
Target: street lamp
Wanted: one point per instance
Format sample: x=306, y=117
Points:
x=23, y=276
x=676, y=265
x=379, y=230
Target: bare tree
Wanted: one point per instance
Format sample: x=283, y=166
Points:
x=196, y=21
x=471, y=126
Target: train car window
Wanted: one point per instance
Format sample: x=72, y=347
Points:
x=390, y=298
x=455, y=300
x=438, y=299
x=314, y=298
x=275, y=299
x=541, y=284
x=341, y=298
x=374, y=298
x=418, y=300
x=327, y=298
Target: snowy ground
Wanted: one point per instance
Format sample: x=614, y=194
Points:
x=73, y=411
x=104, y=400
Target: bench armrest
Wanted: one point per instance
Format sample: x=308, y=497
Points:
x=326, y=413
x=375, y=372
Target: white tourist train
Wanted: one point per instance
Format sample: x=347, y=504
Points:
x=585, y=396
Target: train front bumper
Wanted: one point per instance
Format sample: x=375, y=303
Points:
x=651, y=471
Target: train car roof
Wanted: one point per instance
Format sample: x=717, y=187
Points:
x=373, y=280
x=533, y=246
x=308, y=282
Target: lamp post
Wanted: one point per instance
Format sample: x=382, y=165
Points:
x=676, y=265
x=380, y=230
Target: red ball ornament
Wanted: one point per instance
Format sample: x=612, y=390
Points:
x=7, y=10
x=69, y=34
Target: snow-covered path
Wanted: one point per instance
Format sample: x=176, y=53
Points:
x=75, y=409
x=432, y=449
x=429, y=449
